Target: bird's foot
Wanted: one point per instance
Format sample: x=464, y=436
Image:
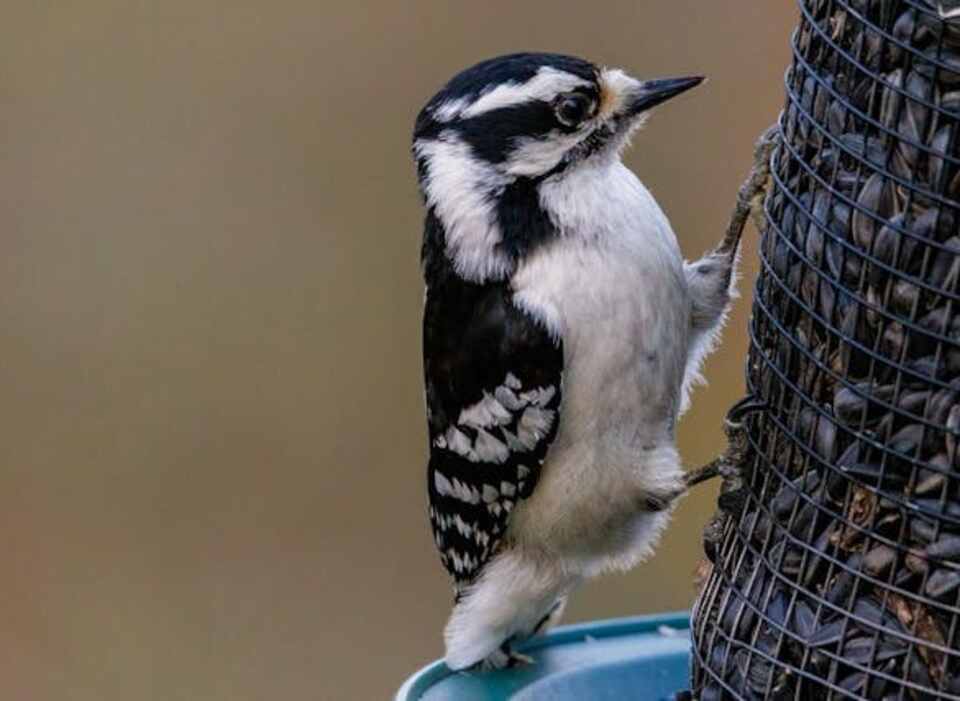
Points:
x=727, y=465
x=703, y=473
x=551, y=617
x=742, y=409
x=711, y=279
x=661, y=500
x=751, y=194
x=504, y=658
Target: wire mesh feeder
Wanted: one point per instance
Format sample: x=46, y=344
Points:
x=836, y=557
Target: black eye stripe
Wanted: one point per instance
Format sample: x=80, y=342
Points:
x=493, y=134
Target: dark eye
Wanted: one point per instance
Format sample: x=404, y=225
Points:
x=573, y=109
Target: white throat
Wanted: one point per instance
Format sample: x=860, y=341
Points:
x=610, y=234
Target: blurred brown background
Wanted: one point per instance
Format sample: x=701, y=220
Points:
x=212, y=454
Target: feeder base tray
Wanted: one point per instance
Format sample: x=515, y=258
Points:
x=643, y=657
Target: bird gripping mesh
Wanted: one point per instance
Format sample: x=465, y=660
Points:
x=836, y=554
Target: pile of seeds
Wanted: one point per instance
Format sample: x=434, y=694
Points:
x=836, y=564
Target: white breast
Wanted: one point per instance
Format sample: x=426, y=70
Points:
x=612, y=288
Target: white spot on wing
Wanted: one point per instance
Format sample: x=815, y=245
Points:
x=540, y=396
x=532, y=156
x=442, y=484
x=499, y=412
x=507, y=398
x=485, y=413
x=512, y=381
x=455, y=489
x=466, y=493
x=489, y=449
x=462, y=526
x=534, y=425
x=458, y=442
x=513, y=443
x=490, y=493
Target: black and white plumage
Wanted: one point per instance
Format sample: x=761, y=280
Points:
x=562, y=330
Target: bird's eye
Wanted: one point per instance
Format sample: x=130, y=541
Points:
x=573, y=109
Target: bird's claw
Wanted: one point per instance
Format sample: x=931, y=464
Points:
x=750, y=196
x=661, y=501
x=518, y=659
x=703, y=473
x=742, y=409
x=504, y=658
x=727, y=465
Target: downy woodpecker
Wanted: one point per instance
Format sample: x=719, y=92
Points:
x=562, y=331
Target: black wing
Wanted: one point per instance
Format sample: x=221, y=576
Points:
x=493, y=377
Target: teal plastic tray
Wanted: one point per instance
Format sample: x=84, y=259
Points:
x=646, y=657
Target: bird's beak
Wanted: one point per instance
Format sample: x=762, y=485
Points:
x=651, y=93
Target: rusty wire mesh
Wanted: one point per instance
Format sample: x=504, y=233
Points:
x=836, y=572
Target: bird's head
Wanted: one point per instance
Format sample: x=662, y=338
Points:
x=499, y=129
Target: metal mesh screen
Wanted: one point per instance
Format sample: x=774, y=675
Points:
x=837, y=569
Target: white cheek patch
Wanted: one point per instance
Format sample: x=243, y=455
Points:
x=545, y=85
x=532, y=156
x=458, y=186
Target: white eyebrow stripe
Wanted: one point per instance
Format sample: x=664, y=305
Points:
x=449, y=109
x=545, y=85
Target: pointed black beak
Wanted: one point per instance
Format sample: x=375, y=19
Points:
x=653, y=92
